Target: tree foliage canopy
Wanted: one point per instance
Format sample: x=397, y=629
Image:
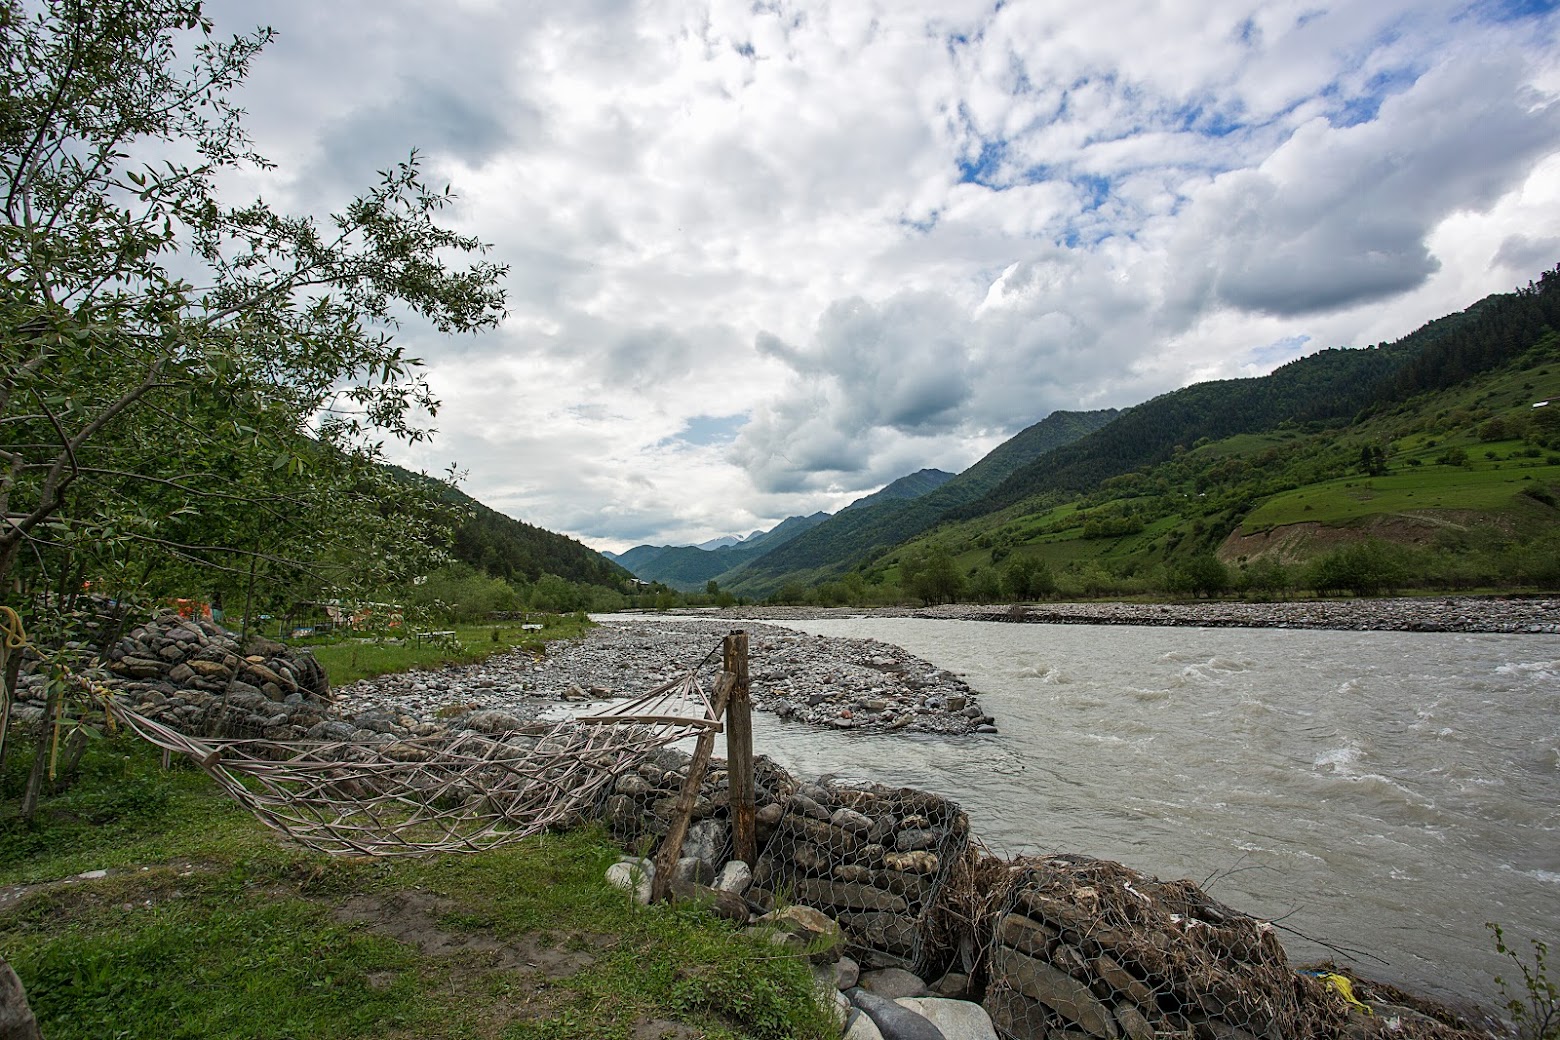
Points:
x=180, y=372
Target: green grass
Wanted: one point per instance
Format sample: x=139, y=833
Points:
x=1431, y=487
x=350, y=657
x=208, y=926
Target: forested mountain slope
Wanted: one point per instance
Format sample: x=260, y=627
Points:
x=1330, y=385
x=921, y=482
x=688, y=568
x=858, y=533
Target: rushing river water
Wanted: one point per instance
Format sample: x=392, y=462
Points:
x=1386, y=793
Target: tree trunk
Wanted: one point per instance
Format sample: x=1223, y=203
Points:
x=40, y=754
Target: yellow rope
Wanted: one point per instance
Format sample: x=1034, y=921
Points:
x=12, y=637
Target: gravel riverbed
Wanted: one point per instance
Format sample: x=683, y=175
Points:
x=1525, y=615
x=836, y=683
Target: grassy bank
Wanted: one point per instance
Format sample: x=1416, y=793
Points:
x=194, y=921
x=351, y=656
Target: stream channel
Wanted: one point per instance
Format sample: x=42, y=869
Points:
x=1386, y=793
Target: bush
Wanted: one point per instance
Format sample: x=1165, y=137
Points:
x=1366, y=568
x=1202, y=575
x=459, y=593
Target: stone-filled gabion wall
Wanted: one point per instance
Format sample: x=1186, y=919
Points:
x=871, y=857
x=1055, y=948
x=193, y=673
x=1092, y=947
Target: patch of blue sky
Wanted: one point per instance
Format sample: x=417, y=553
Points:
x=1501, y=11
x=984, y=167
x=1093, y=190
x=703, y=430
x=1196, y=117
x=1278, y=352
x=1365, y=105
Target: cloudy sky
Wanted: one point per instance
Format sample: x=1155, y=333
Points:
x=767, y=256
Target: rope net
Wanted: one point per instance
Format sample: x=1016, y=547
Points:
x=455, y=791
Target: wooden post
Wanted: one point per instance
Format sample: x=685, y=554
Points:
x=682, y=816
x=739, y=751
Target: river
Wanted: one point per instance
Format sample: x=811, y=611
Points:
x=1386, y=793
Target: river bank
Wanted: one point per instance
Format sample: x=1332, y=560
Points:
x=1489, y=614
x=842, y=684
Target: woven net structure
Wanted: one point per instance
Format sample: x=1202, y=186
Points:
x=456, y=791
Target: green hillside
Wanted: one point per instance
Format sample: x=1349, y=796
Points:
x=514, y=551
x=1325, y=387
x=1450, y=487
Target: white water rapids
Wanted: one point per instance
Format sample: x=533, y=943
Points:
x=1387, y=793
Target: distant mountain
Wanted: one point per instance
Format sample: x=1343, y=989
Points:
x=921, y=482
x=717, y=543
x=859, y=533
x=689, y=568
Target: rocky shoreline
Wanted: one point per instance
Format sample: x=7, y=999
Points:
x=846, y=684
x=1487, y=614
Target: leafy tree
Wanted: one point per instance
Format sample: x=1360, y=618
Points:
x=140, y=311
x=936, y=580
x=1266, y=578
x=986, y=585
x=1201, y=575
x=1366, y=568
x=1029, y=578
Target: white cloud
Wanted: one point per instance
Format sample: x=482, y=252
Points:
x=885, y=235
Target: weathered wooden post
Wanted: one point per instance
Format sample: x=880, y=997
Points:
x=739, y=750
x=682, y=816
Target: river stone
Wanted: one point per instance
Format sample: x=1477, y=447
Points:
x=812, y=926
x=210, y=669
x=851, y=820
x=846, y=973
x=633, y=875
x=893, y=983
x=913, y=887
x=1061, y=992
x=848, y=895
x=735, y=877
x=958, y=1019
x=893, y=1021
x=913, y=838
x=912, y=862
x=891, y=933
x=862, y=1027
x=1024, y=934
x=1134, y=1024
x=706, y=841
x=1120, y=979
x=808, y=807
x=632, y=784
x=494, y=722
x=16, y=1017
x=692, y=870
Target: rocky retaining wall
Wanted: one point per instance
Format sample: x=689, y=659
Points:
x=194, y=675
x=1053, y=948
x=871, y=857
